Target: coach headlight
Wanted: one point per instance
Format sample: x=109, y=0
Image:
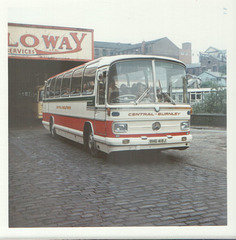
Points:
x=184, y=126
x=120, y=127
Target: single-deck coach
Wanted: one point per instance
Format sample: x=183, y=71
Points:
x=118, y=103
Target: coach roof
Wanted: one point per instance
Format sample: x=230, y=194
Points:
x=104, y=61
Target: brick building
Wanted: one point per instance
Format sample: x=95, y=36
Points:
x=186, y=53
x=108, y=48
x=36, y=53
x=194, y=69
x=160, y=47
x=213, y=60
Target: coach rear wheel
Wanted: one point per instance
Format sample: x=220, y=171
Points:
x=52, y=129
x=91, y=144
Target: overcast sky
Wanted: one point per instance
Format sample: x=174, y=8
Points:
x=201, y=22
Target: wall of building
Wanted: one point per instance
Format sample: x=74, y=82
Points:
x=36, y=53
x=209, y=63
x=194, y=71
x=185, y=54
x=164, y=47
x=159, y=47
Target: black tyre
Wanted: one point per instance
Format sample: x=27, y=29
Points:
x=52, y=129
x=90, y=143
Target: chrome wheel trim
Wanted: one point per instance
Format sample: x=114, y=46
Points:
x=92, y=144
x=52, y=130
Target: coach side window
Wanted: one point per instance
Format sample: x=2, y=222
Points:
x=89, y=79
x=51, y=89
x=101, y=86
x=47, y=89
x=58, y=86
x=65, y=86
x=76, y=82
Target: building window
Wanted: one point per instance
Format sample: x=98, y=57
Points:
x=104, y=52
x=96, y=52
x=199, y=96
x=192, y=97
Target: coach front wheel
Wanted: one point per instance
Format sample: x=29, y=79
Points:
x=91, y=144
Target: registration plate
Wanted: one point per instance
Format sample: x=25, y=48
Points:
x=155, y=141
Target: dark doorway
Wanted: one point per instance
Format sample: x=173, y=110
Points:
x=23, y=77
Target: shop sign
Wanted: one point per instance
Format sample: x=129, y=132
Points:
x=41, y=42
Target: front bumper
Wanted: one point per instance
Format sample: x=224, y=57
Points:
x=144, y=143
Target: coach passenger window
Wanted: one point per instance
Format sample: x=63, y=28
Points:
x=89, y=79
x=52, y=86
x=101, y=84
x=65, y=86
x=47, y=89
x=76, y=82
x=58, y=86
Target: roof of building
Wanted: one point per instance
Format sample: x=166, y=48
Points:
x=133, y=46
x=115, y=45
x=194, y=81
x=215, y=53
x=109, y=45
x=138, y=45
x=214, y=74
x=211, y=49
x=193, y=65
x=126, y=46
x=157, y=40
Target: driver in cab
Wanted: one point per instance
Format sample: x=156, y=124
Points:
x=113, y=90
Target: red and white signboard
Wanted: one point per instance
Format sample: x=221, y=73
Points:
x=44, y=42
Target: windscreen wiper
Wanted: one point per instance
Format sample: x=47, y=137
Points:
x=169, y=97
x=143, y=95
x=166, y=94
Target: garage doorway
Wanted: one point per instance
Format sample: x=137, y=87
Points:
x=23, y=77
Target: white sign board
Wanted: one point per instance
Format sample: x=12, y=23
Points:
x=44, y=42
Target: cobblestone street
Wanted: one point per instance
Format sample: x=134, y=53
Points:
x=56, y=183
